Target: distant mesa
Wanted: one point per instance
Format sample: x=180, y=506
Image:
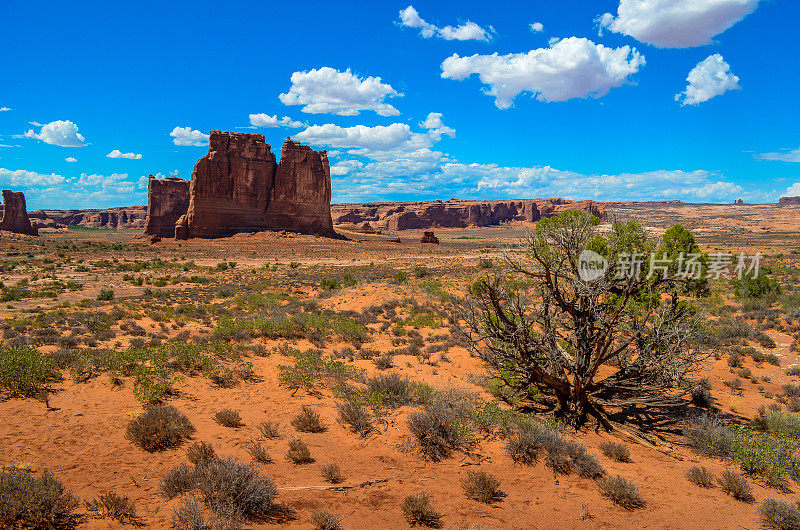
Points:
x=239, y=187
x=456, y=213
x=786, y=201
x=15, y=214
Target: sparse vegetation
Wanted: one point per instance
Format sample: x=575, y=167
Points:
x=27, y=501
x=621, y=491
x=308, y=421
x=298, y=452
x=229, y=418
x=418, y=510
x=736, y=486
x=780, y=515
x=331, y=473
x=700, y=476
x=109, y=505
x=482, y=487
x=616, y=451
x=160, y=427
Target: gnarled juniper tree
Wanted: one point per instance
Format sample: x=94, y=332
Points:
x=590, y=346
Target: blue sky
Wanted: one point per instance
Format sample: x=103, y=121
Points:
x=414, y=101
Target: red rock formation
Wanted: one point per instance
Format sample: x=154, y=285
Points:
x=167, y=201
x=301, y=198
x=238, y=187
x=132, y=217
x=429, y=237
x=783, y=201
x=15, y=214
x=457, y=214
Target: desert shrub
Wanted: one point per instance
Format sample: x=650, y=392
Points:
x=298, y=452
x=783, y=423
x=353, y=413
x=308, y=421
x=621, y=491
x=761, y=286
x=229, y=418
x=438, y=431
x=27, y=501
x=228, y=486
x=401, y=277
x=709, y=436
x=310, y=367
x=258, y=453
x=269, y=429
x=793, y=370
x=736, y=486
x=564, y=456
x=190, y=516
x=418, y=510
x=481, y=486
x=391, y=389
x=159, y=427
x=331, y=473
x=105, y=295
x=179, y=480
x=329, y=284
x=523, y=448
x=26, y=372
x=701, y=476
x=769, y=456
x=109, y=505
x=701, y=397
x=383, y=361
x=200, y=453
x=616, y=451
x=324, y=520
x=780, y=515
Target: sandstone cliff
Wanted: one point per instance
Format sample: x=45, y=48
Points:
x=167, y=201
x=239, y=187
x=785, y=201
x=455, y=213
x=15, y=214
x=132, y=217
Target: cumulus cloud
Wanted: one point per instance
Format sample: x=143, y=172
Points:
x=410, y=18
x=436, y=127
x=792, y=191
x=116, y=153
x=367, y=141
x=710, y=78
x=569, y=68
x=782, y=156
x=5, y=109
x=676, y=23
x=536, y=27
x=346, y=166
x=21, y=178
x=329, y=91
x=265, y=120
x=185, y=136
x=61, y=133
x=71, y=159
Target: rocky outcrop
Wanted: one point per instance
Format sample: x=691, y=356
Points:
x=167, y=201
x=131, y=217
x=238, y=186
x=15, y=214
x=429, y=237
x=784, y=201
x=455, y=213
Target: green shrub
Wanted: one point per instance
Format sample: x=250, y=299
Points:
x=401, y=277
x=26, y=372
x=105, y=295
x=329, y=284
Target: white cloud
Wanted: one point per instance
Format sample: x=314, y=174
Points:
x=676, y=23
x=710, y=78
x=783, y=156
x=346, y=166
x=21, y=178
x=409, y=17
x=116, y=153
x=570, y=68
x=174, y=173
x=536, y=27
x=792, y=191
x=61, y=133
x=436, y=127
x=5, y=109
x=71, y=159
x=265, y=120
x=187, y=136
x=329, y=91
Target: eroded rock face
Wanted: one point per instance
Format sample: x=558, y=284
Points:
x=15, y=214
x=238, y=186
x=301, y=197
x=785, y=201
x=120, y=217
x=167, y=201
x=457, y=214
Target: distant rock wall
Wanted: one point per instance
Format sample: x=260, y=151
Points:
x=785, y=201
x=455, y=213
x=15, y=214
x=132, y=217
x=238, y=186
x=167, y=201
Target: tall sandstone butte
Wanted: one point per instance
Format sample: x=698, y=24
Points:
x=15, y=214
x=167, y=201
x=239, y=187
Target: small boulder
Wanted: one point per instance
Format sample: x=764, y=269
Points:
x=429, y=237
